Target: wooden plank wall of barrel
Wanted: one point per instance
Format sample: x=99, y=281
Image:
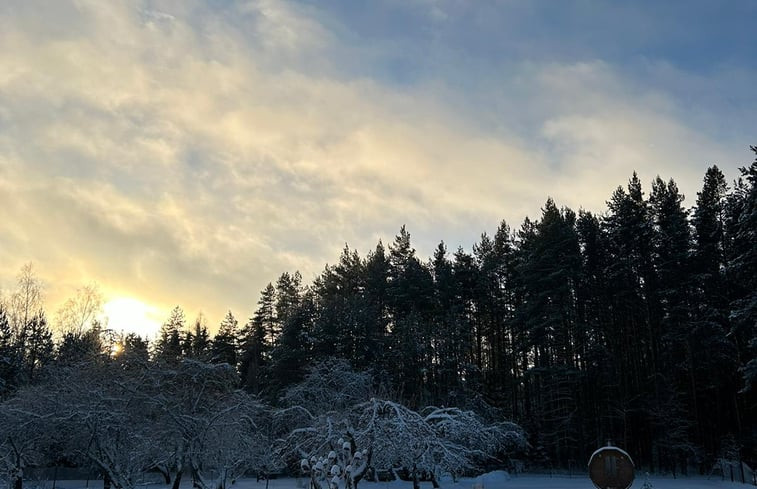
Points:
x=611, y=468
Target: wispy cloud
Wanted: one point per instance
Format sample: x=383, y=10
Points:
x=189, y=152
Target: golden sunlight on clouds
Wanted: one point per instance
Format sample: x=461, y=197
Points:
x=191, y=155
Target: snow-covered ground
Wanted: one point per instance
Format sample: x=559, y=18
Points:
x=488, y=481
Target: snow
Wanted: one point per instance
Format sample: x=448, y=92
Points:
x=498, y=478
x=493, y=480
x=610, y=448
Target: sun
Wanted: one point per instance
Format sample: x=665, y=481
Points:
x=132, y=316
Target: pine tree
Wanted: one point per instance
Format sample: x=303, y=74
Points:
x=339, y=329
x=258, y=338
x=135, y=350
x=79, y=345
x=38, y=346
x=409, y=301
x=224, y=346
x=186, y=340
x=743, y=273
x=9, y=367
x=634, y=329
x=290, y=357
x=671, y=244
x=374, y=312
x=713, y=354
x=288, y=290
x=709, y=252
x=467, y=326
x=168, y=344
x=355, y=341
x=548, y=273
x=487, y=292
x=447, y=361
x=197, y=341
x=600, y=355
x=498, y=279
x=252, y=357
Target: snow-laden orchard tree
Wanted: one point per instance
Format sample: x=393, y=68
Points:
x=483, y=441
x=328, y=390
x=88, y=413
x=204, y=424
x=395, y=438
x=126, y=418
x=232, y=441
x=435, y=440
x=24, y=437
x=329, y=386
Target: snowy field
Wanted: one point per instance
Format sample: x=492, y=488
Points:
x=489, y=481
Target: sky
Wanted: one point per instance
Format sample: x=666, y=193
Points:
x=188, y=152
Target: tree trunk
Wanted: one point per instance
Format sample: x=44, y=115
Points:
x=18, y=475
x=434, y=481
x=176, y=481
x=165, y=473
x=18, y=479
x=197, y=481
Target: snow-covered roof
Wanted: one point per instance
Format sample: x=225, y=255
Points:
x=610, y=448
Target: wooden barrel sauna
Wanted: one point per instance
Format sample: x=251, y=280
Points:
x=611, y=468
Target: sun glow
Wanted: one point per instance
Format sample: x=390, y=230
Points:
x=132, y=316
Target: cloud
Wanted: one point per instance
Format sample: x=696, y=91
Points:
x=189, y=152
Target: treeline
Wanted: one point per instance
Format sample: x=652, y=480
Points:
x=637, y=326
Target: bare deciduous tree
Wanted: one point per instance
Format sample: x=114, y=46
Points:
x=27, y=300
x=77, y=313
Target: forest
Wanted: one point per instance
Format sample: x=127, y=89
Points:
x=637, y=325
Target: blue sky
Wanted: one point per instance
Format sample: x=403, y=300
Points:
x=188, y=152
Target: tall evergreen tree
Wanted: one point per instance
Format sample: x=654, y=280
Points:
x=224, y=346
x=409, y=301
x=339, y=329
x=288, y=291
x=38, y=346
x=634, y=331
x=468, y=326
x=671, y=244
x=168, y=344
x=709, y=251
x=498, y=279
x=258, y=337
x=199, y=346
x=594, y=298
x=135, y=350
x=10, y=370
x=713, y=354
x=549, y=274
x=290, y=357
x=446, y=362
x=743, y=273
x=371, y=354
x=78, y=345
x=252, y=357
